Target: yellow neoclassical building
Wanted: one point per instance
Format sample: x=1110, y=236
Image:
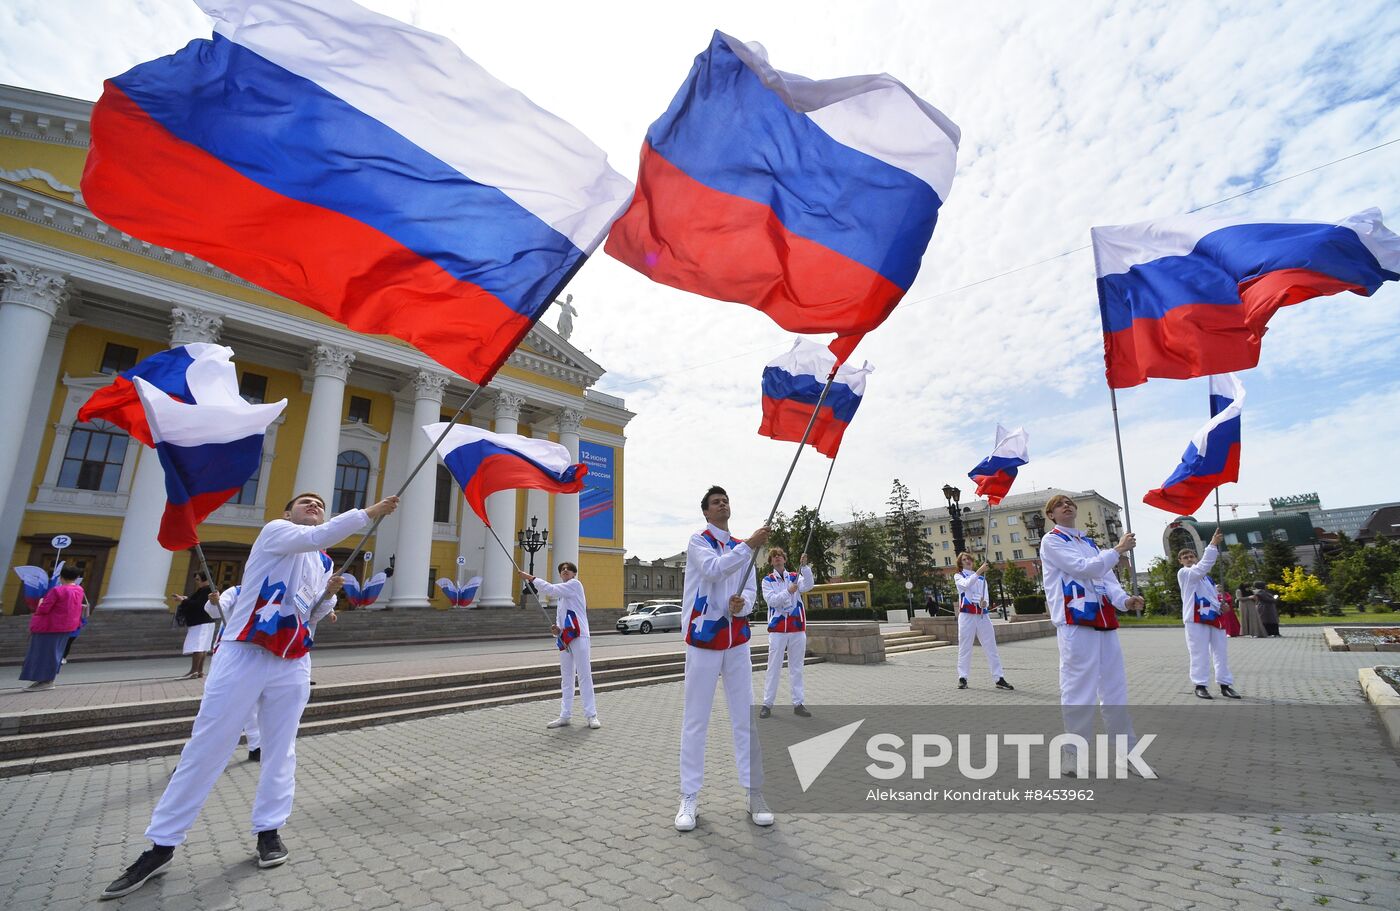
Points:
x=81, y=301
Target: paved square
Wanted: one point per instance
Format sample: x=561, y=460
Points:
x=488, y=809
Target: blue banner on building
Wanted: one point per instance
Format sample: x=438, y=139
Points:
x=595, y=503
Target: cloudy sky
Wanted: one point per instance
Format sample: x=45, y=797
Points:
x=1072, y=115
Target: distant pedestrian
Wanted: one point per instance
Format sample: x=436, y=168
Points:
x=193, y=614
x=57, y=616
x=787, y=629
x=1268, y=608
x=571, y=635
x=1229, y=617
x=1206, y=640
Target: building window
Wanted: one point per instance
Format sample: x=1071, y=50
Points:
x=442, y=496
x=253, y=388
x=646, y=582
x=1010, y=520
x=1015, y=537
x=358, y=412
x=998, y=556
x=634, y=580
x=924, y=531
x=351, y=480
x=1017, y=555
x=93, y=460
x=1232, y=539
x=945, y=545
x=117, y=358
x=993, y=523
x=947, y=561
x=1280, y=534
x=996, y=539
x=942, y=529
x=248, y=494
x=671, y=581
x=1256, y=537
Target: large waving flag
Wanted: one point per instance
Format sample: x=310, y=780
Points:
x=812, y=201
x=359, y=166
x=484, y=462
x=363, y=596
x=1212, y=457
x=995, y=474
x=183, y=373
x=208, y=451
x=792, y=384
x=460, y=597
x=1192, y=295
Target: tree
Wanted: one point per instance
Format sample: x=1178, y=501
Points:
x=1162, y=594
x=1242, y=569
x=1017, y=582
x=867, y=548
x=790, y=533
x=1275, y=558
x=910, y=552
x=1299, y=588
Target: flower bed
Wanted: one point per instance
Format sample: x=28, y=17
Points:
x=1390, y=675
x=1362, y=638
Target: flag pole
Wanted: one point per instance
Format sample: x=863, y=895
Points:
x=1123, y=478
x=1217, y=508
x=816, y=516
x=529, y=585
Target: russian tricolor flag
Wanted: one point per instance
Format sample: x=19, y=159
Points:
x=183, y=373
x=812, y=201
x=792, y=385
x=484, y=462
x=1191, y=296
x=35, y=583
x=1212, y=457
x=208, y=451
x=359, y=166
x=995, y=474
x=460, y=597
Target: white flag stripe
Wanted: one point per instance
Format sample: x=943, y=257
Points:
x=1014, y=444
x=423, y=87
x=807, y=357
x=553, y=456
x=1229, y=386
x=180, y=424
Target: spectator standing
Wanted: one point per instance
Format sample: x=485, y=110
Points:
x=59, y=613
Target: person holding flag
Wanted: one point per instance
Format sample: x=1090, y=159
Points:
x=787, y=629
x=1206, y=639
x=719, y=594
x=975, y=621
x=263, y=662
x=571, y=629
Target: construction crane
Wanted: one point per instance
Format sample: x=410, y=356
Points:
x=1235, y=507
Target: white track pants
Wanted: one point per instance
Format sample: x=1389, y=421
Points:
x=243, y=677
x=703, y=668
x=979, y=627
x=794, y=646
x=1205, y=643
x=574, y=660
x=252, y=734
x=1092, y=673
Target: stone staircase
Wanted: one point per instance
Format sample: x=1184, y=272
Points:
x=49, y=740
x=911, y=641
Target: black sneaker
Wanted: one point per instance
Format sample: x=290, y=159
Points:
x=962, y=683
x=800, y=711
x=1228, y=692
x=764, y=711
x=271, y=851
x=151, y=863
x=1203, y=692
x=1003, y=685
x=255, y=755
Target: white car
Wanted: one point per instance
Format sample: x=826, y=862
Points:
x=652, y=615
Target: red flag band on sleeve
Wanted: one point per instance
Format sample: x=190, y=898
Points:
x=740, y=176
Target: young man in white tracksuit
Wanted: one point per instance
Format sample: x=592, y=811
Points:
x=1083, y=597
x=571, y=635
x=975, y=622
x=264, y=663
x=787, y=629
x=1200, y=613
x=719, y=594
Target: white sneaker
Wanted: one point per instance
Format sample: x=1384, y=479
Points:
x=561, y=722
x=688, y=813
x=758, y=809
x=594, y=723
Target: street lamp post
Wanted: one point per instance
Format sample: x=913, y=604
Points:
x=1037, y=523
x=532, y=542
x=951, y=494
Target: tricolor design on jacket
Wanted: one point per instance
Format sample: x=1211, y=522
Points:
x=972, y=591
x=812, y=201
x=184, y=373
x=786, y=611
x=792, y=386
x=1200, y=602
x=1080, y=588
x=483, y=462
x=714, y=572
x=1211, y=458
x=322, y=128
x=568, y=630
x=1191, y=295
x=995, y=474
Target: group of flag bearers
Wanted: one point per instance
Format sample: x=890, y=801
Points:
x=746, y=220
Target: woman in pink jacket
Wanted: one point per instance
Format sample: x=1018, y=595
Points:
x=57, y=616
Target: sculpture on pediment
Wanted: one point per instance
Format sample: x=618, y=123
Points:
x=567, y=312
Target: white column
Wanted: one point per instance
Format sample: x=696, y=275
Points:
x=498, y=580
x=330, y=368
x=29, y=300
x=415, y=544
x=32, y=434
x=564, y=534
x=141, y=567
x=386, y=539
x=472, y=541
